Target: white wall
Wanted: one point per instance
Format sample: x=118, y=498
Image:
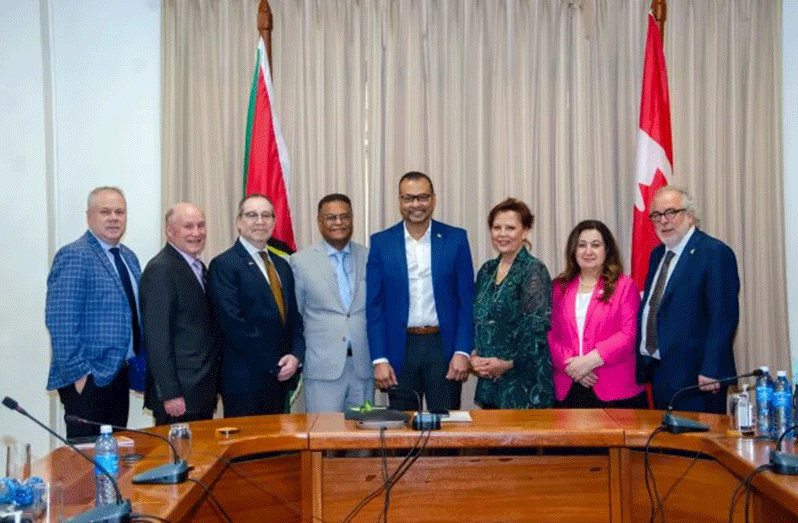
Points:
x=789, y=27
x=79, y=79
x=24, y=253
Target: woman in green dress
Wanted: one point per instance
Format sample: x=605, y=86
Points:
x=512, y=309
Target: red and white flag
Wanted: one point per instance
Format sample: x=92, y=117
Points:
x=654, y=157
x=267, y=167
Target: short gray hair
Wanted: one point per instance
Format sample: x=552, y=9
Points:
x=688, y=202
x=97, y=190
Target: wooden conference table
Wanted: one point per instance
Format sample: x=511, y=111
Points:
x=532, y=465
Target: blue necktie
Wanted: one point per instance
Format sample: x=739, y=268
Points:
x=344, y=287
x=131, y=298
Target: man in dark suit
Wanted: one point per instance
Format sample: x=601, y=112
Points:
x=419, y=302
x=690, y=309
x=255, y=305
x=177, y=321
x=92, y=316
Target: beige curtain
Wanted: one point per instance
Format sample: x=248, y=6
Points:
x=536, y=99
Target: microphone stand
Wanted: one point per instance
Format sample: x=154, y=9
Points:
x=679, y=425
x=117, y=513
x=169, y=474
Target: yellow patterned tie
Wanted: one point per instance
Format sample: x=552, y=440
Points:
x=274, y=283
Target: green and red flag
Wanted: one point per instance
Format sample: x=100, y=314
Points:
x=267, y=168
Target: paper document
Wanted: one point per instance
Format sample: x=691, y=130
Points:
x=456, y=416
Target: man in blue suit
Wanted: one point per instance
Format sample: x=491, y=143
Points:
x=92, y=316
x=419, y=303
x=255, y=305
x=690, y=310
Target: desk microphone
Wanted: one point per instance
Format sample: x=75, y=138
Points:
x=169, y=474
x=117, y=513
x=784, y=462
x=421, y=420
x=679, y=425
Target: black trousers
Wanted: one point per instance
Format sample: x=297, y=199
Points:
x=580, y=397
x=162, y=418
x=424, y=371
x=269, y=401
x=109, y=404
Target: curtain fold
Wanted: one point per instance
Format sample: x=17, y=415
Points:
x=537, y=99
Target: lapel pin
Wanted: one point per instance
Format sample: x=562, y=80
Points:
x=692, y=251
x=439, y=235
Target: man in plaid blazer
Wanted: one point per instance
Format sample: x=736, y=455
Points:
x=92, y=316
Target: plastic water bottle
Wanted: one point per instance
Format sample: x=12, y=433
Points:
x=763, y=404
x=794, y=411
x=782, y=400
x=106, y=454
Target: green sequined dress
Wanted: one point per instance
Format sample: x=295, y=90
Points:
x=511, y=321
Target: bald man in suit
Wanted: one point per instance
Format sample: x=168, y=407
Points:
x=178, y=326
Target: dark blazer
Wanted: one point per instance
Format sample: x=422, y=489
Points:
x=177, y=321
x=696, y=323
x=388, y=294
x=87, y=313
x=253, y=335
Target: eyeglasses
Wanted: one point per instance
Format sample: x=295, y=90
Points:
x=252, y=215
x=669, y=214
x=332, y=218
x=420, y=198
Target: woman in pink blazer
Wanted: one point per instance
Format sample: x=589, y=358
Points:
x=593, y=325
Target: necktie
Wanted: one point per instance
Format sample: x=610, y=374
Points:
x=199, y=272
x=274, y=283
x=344, y=286
x=653, y=305
x=131, y=298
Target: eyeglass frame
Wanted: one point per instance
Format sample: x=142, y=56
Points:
x=420, y=198
x=669, y=214
x=253, y=215
x=332, y=218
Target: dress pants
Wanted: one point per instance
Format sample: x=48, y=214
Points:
x=162, y=418
x=109, y=404
x=424, y=371
x=271, y=400
x=338, y=395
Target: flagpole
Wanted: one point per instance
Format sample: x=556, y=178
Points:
x=265, y=27
x=659, y=8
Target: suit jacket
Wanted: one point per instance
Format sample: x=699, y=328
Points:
x=696, y=323
x=178, y=327
x=610, y=329
x=87, y=313
x=327, y=324
x=253, y=335
x=388, y=294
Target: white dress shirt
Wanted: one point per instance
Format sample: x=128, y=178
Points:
x=677, y=253
x=422, y=311
x=255, y=253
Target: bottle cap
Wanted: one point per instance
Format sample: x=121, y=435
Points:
x=105, y=429
x=765, y=368
x=782, y=374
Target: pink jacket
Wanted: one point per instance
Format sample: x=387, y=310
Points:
x=610, y=329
